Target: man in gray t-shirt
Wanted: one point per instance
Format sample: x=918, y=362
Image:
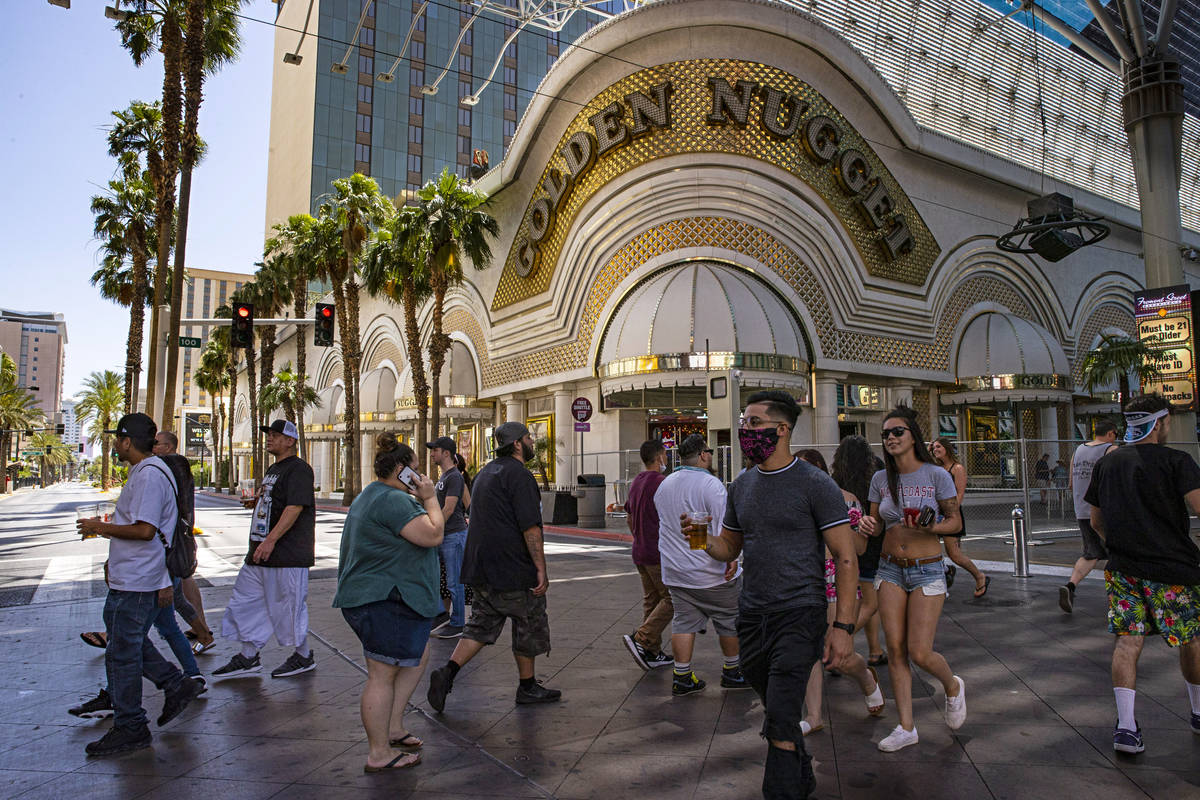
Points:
x=1104, y=441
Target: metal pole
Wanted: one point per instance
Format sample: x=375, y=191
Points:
x=1020, y=544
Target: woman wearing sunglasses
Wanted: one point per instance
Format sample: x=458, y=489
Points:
x=914, y=501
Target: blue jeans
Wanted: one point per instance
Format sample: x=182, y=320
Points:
x=130, y=656
x=451, y=551
x=168, y=628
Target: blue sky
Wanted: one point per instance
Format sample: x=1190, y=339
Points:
x=61, y=74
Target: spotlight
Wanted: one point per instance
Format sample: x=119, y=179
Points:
x=339, y=68
x=292, y=58
x=429, y=90
x=1053, y=229
x=385, y=77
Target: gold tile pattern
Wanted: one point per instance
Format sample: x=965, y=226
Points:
x=690, y=133
x=1108, y=315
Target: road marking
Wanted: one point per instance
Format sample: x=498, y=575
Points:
x=567, y=548
x=215, y=568
x=66, y=578
x=592, y=577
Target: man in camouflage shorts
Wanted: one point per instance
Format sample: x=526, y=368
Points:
x=1140, y=495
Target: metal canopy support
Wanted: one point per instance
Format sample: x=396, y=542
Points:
x=1111, y=31
x=387, y=77
x=1166, y=20
x=1136, y=23
x=340, y=66
x=432, y=88
x=1077, y=39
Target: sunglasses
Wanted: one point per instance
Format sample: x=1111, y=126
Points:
x=897, y=432
x=710, y=451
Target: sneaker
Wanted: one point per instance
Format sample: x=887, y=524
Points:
x=1196, y=724
x=294, y=665
x=686, y=684
x=537, y=694
x=449, y=631
x=898, y=739
x=178, y=700
x=238, y=666
x=440, y=684
x=1066, y=598
x=732, y=678
x=120, y=740
x=101, y=706
x=659, y=659
x=638, y=652
x=203, y=683
x=1127, y=741
x=956, y=707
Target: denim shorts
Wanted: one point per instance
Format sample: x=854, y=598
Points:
x=929, y=578
x=390, y=631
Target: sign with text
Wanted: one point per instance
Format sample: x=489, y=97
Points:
x=196, y=428
x=583, y=427
x=189, y=341
x=1164, y=323
x=581, y=409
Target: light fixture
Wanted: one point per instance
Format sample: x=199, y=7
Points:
x=1053, y=229
x=385, y=77
x=292, y=58
x=470, y=100
x=339, y=68
x=429, y=90
x=60, y=3
x=112, y=12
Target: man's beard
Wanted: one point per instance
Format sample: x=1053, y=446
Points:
x=526, y=452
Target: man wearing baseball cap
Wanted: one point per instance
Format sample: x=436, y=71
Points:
x=505, y=565
x=450, y=488
x=270, y=595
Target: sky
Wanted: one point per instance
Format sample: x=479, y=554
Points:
x=62, y=73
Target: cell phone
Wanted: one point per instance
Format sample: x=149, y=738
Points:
x=409, y=477
x=926, y=518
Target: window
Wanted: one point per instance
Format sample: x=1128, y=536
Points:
x=464, y=145
x=370, y=10
x=363, y=123
x=365, y=94
x=464, y=88
x=414, y=163
x=366, y=64
x=416, y=105
x=416, y=76
x=510, y=101
x=464, y=63
x=416, y=134
x=510, y=127
x=418, y=51
x=510, y=74
x=367, y=35
x=362, y=152
x=421, y=23
x=468, y=37
x=464, y=117
x=35, y=349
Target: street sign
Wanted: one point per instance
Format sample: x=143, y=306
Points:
x=583, y=427
x=189, y=341
x=581, y=409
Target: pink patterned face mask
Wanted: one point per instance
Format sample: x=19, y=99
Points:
x=758, y=445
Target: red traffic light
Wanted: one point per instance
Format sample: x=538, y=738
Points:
x=327, y=312
x=243, y=311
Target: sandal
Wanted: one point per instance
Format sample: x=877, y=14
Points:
x=980, y=591
x=95, y=639
x=877, y=661
x=806, y=728
x=199, y=647
x=415, y=758
x=407, y=740
x=875, y=702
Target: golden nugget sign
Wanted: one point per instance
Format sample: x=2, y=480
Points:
x=783, y=116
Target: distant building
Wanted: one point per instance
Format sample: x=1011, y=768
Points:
x=205, y=292
x=36, y=341
x=72, y=435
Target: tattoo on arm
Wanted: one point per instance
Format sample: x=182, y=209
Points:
x=534, y=544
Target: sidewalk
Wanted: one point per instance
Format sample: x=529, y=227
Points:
x=1039, y=701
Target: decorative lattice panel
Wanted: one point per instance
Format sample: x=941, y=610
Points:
x=1109, y=315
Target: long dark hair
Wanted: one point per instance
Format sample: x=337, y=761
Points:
x=813, y=457
x=390, y=455
x=919, y=449
x=853, y=465
x=948, y=446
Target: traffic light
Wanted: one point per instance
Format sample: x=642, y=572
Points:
x=243, y=325
x=323, y=335
x=60, y=429
x=81, y=447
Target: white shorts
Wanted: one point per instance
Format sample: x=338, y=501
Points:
x=265, y=601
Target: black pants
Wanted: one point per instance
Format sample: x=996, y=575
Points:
x=778, y=650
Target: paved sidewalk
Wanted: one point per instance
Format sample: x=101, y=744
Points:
x=1039, y=724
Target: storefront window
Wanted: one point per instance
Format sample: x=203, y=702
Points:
x=542, y=430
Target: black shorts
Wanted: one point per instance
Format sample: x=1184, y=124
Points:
x=530, y=625
x=778, y=650
x=1093, y=545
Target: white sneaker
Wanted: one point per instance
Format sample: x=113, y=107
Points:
x=898, y=739
x=956, y=707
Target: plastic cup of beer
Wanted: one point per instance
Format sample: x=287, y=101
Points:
x=87, y=511
x=698, y=529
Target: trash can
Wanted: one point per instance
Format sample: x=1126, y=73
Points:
x=590, y=492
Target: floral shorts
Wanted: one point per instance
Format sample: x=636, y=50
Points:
x=831, y=582
x=1140, y=607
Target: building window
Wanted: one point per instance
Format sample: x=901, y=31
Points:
x=421, y=23
x=464, y=63
x=416, y=105
x=468, y=38
x=464, y=117
x=416, y=134
x=510, y=101
x=366, y=64
x=416, y=76
x=464, y=145
x=363, y=123
x=365, y=93
x=367, y=35
x=370, y=9
x=414, y=163
x=418, y=51
x=510, y=127
x=464, y=88
x=362, y=152
x=510, y=74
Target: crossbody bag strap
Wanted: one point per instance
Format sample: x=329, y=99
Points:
x=175, y=486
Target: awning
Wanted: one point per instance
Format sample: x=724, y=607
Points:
x=1005, y=359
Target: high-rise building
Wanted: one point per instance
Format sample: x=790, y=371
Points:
x=35, y=340
x=72, y=435
x=205, y=292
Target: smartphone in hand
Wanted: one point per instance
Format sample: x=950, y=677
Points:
x=408, y=476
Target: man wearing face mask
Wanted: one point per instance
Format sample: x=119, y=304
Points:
x=782, y=512
x=505, y=564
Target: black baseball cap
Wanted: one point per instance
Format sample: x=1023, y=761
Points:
x=137, y=426
x=509, y=432
x=443, y=443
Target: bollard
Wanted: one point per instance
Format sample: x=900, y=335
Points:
x=1020, y=544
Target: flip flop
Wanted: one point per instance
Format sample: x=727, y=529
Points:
x=191, y=635
x=980, y=591
x=806, y=728
x=877, y=661
x=407, y=740
x=875, y=702
x=95, y=639
x=395, y=763
x=199, y=647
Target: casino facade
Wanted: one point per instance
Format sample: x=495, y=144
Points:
x=730, y=188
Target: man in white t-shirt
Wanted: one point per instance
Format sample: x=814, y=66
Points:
x=702, y=589
x=142, y=527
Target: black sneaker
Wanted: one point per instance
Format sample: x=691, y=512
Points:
x=120, y=740
x=686, y=684
x=440, y=684
x=659, y=659
x=238, y=666
x=200, y=680
x=98, y=707
x=537, y=694
x=640, y=654
x=951, y=571
x=178, y=700
x=294, y=665
x=1066, y=598
x=449, y=631
x=732, y=678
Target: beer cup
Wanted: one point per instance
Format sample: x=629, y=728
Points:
x=698, y=529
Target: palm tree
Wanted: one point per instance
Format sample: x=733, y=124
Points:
x=393, y=267
x=1115, y=358
x=100, y=404
x=355, y=207
x=18, y=411
x=456, y=227
x=124, y=222
x=288, y=392
x=221, y=334
x=212, y=376
x=53, y=454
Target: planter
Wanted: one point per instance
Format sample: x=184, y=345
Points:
x=559, y=508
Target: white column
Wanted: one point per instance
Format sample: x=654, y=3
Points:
x=320, y=465
x=1048, y=430
x=514, y=410
x=367, y=448
x=825, y=415
x=901, y=395
x=565, y=468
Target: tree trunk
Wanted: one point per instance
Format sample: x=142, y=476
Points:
x=177, y=281
x=5, y=444
x=298, y=292
x=1123, y=386
x=216, y=440
x=232, y=414
x=355, y=369
x=438, y=345
x=137, y=318
x=348, y=335
x=416, y=365
x=105, y=478
x=267, y=370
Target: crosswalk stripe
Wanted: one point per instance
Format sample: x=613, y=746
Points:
x=215, y=568
x=66, y=578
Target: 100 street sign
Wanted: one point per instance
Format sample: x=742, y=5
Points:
x=189, y=341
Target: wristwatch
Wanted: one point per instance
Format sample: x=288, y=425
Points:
x=848, y=627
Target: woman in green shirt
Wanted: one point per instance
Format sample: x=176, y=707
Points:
x=388, y=592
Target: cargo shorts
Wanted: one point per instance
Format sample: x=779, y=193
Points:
x=530, y=625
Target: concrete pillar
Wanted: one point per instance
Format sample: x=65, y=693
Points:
x=825, y=414
x=322, y=458
x=367, y=450
x=566, y=469
x=514, y=410
x=1048, y=430
x=900, y=395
